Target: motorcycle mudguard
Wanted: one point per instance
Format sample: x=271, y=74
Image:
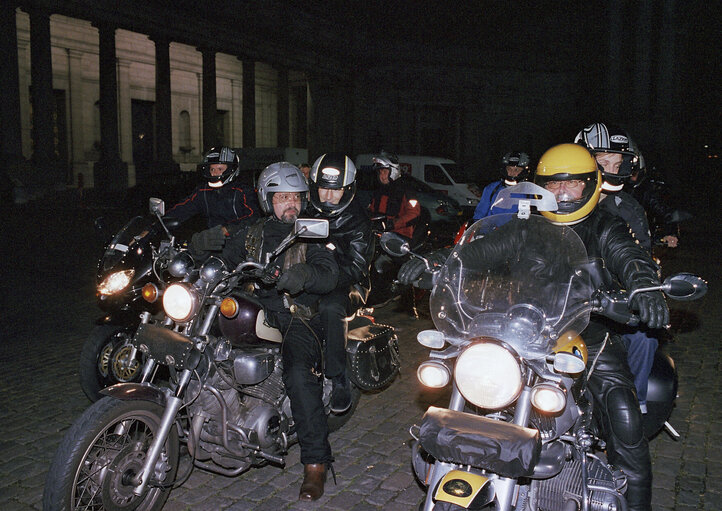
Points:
x=135, y=392
x=464, y=489
x=457, y=437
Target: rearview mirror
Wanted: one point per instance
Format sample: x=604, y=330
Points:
x=311, y=228
x=156, y=206
x=394, y=244
x=684, y=287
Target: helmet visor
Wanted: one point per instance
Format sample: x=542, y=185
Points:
x=572, y=191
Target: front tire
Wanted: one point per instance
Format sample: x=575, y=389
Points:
x=105, y=359
x=102, y=452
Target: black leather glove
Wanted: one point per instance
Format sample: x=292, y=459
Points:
x=211, y=239
x=294, y=279
x=652, y=308
x=413, y=268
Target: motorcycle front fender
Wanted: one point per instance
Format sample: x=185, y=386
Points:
x=136, y=392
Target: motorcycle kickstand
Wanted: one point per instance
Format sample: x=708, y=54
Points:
x=671, y=431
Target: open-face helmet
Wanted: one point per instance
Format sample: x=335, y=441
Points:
x=565, y=165
x=334, y=171
x=280, y=177
x=224, y=155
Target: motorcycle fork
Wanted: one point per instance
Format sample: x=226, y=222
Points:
x=173, y=404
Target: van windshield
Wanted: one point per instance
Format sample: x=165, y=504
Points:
x=458, y=173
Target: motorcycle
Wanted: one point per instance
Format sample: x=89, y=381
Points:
x=225, y=399
x=129, y=261
x=519, y=432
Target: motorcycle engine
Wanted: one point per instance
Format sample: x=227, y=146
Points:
x=553, y=494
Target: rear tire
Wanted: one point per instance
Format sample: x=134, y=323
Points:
x=336, y=420
x=104, y=359
x=102, y=451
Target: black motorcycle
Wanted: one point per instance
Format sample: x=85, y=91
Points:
x=129, y=261
x=225, y=399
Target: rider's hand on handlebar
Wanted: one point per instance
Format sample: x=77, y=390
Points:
x=652, y=309
x=211, y=239
x=294, y=279
x=412, y=269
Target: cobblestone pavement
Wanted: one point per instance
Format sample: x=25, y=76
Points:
x=48, y=259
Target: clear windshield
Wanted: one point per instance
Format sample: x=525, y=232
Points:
x=122, y=241
x=513, y=280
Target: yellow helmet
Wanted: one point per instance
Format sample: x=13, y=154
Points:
x=577, y=198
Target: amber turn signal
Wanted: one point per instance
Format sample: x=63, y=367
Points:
x=150, y=292
x=229, y=308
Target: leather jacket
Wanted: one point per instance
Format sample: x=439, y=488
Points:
x=625, y=206
x=353, y=243
x=319, y=259
x=232, y=205
x=658, y=212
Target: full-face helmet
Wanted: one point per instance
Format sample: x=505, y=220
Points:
x=223, y=155
x=280, y=177
x=388, y=161
x=515, y=159
x=572, y=174
x=333, y=171
x=606, y=138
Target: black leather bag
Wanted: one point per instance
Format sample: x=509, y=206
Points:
x=373, y=356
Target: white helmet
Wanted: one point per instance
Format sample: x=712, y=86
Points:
x=388, y=161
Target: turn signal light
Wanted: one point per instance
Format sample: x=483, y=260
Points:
x=229, y=308
x=150, y=292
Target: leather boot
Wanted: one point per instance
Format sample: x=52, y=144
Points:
x=314, y=476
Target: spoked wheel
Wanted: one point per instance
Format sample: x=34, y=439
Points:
x=105, y=359
x=101, y=455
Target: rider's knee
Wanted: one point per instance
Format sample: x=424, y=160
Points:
x=624, y=416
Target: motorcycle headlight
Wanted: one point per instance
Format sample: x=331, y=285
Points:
x=180, y=303
x=115, y=282
x=433, y=374
x=548, y=398
x=488, y=375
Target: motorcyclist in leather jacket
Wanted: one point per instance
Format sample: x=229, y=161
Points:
x=222, y=200
x=570, y=172
x=332, y=185
x=309, y=271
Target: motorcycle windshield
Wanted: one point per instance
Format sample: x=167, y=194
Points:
x=513, y=280
x=122, y=241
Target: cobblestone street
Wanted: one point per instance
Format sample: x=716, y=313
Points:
x=48, y=262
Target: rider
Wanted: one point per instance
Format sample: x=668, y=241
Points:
x=223, y=201
x=309, y=271
x=332, y=183
x=571, y=173
x=616, y=153
x=514, y=169
x=393, y=199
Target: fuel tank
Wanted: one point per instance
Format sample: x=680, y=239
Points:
x=248, y=325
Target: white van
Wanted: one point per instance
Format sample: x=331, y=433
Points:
x=439, y=173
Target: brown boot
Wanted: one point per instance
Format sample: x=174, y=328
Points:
x=314, y=476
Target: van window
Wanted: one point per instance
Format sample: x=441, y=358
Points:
x=435, y=174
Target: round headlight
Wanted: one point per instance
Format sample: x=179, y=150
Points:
x=179, y=302
x=488, y=375
x=115, y=282
x=548, y=398
x=433, y=374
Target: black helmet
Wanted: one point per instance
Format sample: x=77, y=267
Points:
x=515, y=159
x=224, y=155
x=607, y=138
x=334, y=171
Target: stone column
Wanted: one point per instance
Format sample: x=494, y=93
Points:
x=249, y=103
x=125, y=115
x=210, y=137
x=75, y=78
x=110, y=172
x=11, y=140
x=237, y=113
x=47, y=171
x=163, y=116
x=282, y=118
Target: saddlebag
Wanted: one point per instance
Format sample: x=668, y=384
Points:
x=373, y=356
x=457, y=437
